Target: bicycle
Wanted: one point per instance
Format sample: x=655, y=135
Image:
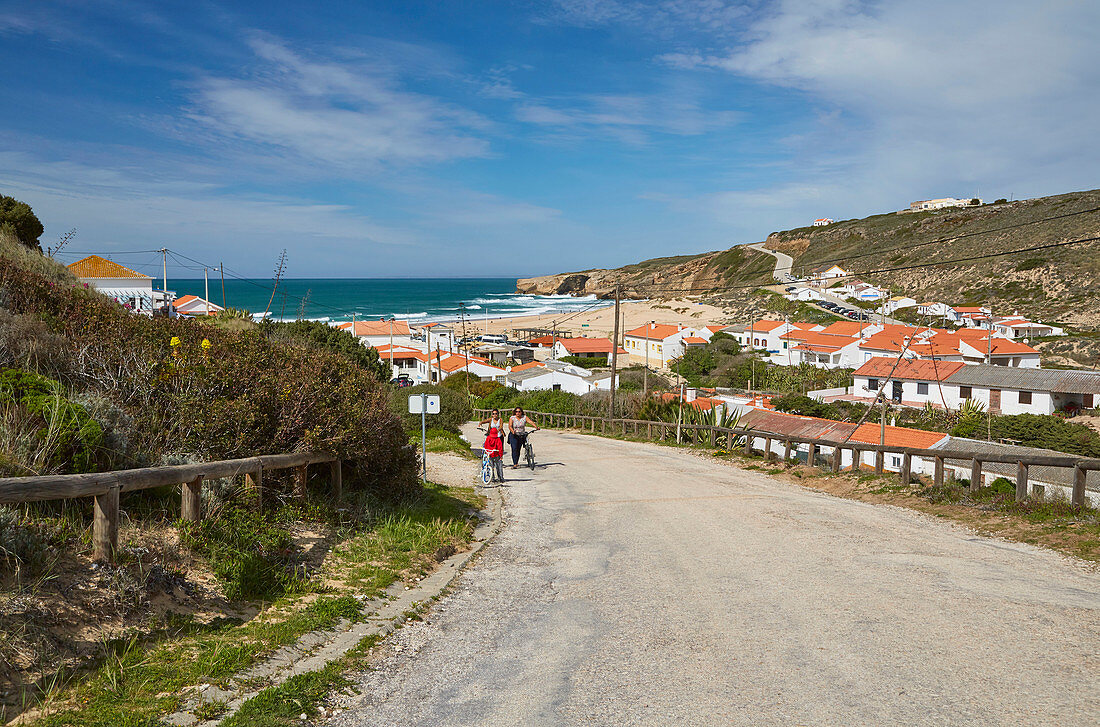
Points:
x=492, y=468
x=529, y=452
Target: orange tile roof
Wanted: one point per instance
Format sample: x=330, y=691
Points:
x=803, y=326
x=897, y=436
x=185, y=300
x=588, y=345
x=94, y=267
x=845, y=328
x=531, y=365
x=821, y=341
x=918, y=369
x=694, y=339
x=376, y=328
x=544, y=340
x=655, y=332
x=715, y=329
x=765, y=326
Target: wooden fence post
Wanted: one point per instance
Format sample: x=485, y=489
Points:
x=975, y=475
x=338, y=479
x=748, y=444
x=857, y=457
x=191, y=500
x=1021, y=481
x=787, y=451
x=649, y=430
x=301, y=474
x=713, y=437
x=810, y=454
x=906, y=468
x=1079, y=476
x=255, y=481
x=837, y=458
x=880, y=462
x=105, y=525
x=937, y=476
x=767, y=449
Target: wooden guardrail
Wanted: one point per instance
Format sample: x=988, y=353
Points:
x=731, y=438
x=106, y=487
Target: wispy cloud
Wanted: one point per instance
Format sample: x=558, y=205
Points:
x=630, y=118
x=344, y=114
x=712, y=15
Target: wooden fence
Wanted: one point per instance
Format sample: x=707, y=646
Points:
x=106, y=487
x=745, y=439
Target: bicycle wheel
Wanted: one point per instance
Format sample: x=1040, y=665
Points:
x=486, y=469
x=530, y=452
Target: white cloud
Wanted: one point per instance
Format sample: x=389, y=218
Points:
x=349, y=114
x=627, y=117
x=940, y=98
x=716, y=16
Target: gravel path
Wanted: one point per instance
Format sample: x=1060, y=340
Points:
x=636, y=584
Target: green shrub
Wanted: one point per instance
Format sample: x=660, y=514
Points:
x=476, y=387
x=19, y=219
x=454, y=407
x=71, y=439
x=804, y=405
x=22, y=549
x=243, y=395
x=250, y=555
x=587, y=362
x=333, y=339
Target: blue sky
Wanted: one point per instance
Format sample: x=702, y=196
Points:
x=523, y=138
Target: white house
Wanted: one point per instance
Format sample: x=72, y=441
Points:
x=654, y=343
x=584, y=348
x=804, y=294
x=828, y=272
x=1001, y=390
x=1016, y=327
x=128, y=287
x=557, y=376
x=941, y=311
x=896, y=303
x=941, y=203
x=193, y=305
x=763, y=335
x=381, y=333
x=822, y=222
x=860, y=290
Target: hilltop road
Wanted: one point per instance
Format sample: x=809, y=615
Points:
x=783, y=262
x=642, y=585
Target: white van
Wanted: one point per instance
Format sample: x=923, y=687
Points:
x=493, y=338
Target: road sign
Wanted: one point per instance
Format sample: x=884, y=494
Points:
x=421, y=404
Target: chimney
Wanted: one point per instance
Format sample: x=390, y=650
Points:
x=691, y=394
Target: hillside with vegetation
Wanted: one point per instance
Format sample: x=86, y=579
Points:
x=1057, y=284
x=88, y=386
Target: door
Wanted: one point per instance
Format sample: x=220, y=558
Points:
x=994, y=401
x=895, y=391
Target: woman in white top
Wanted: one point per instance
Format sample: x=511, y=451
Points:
x=494, y=421
x=517, y=433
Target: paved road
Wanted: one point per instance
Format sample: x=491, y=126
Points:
x=640, y=585
x=783, y=262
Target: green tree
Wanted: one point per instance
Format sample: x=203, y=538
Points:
x=325, y=336
x=20, y=220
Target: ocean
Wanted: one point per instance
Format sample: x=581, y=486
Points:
x=414, y=299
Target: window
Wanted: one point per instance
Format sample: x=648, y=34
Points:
x=895, y=461
x=872, y=384
x=1025, y=397
x=964, y=392
x=922, y=388
x=557, y=387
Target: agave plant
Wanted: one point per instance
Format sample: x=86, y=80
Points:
x=971, y=409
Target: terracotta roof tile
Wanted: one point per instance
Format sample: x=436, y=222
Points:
x=909, y=369
x=95, y=267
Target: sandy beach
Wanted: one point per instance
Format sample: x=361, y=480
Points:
x=600, y=320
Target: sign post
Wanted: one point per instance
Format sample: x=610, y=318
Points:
x=424, y=404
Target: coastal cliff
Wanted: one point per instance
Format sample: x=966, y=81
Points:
x=667, y=277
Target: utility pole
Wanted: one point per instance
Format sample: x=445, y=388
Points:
x=438, y=363
x=615, y=349
x=164, y=259
x=882, y=419
x=206, y=284
x=391, y=343
x=466, y=353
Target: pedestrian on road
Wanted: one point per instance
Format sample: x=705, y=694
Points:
x=517, y=433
